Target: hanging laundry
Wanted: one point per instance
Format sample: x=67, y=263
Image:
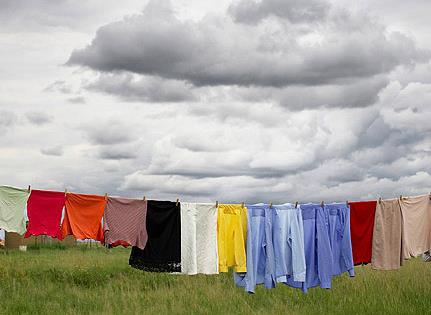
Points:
x=231, y=237
x=361, y=229
x=162, y=252
x=198, y=238
x=318, y=254
x=260, y=250
x=416, y=215
x=12, y=209
x=124, y=222
x=387, y=251
x=340, y=240
x=288, y=238
x=83, y=216
x=44, y=210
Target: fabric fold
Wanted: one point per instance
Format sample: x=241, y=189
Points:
x=124, y=222
x=199, y=238
x=12, y=209
x=83, y=216
x=44, y=211
x=162, y=252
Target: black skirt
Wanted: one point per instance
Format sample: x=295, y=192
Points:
x=162, y=252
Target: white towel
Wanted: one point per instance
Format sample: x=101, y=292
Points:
x=198, y=238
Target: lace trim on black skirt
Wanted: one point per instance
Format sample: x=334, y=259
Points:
x=151, y=266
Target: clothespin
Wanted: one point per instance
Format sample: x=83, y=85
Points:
x=216, y=204
x=178, y=201
x=65, y=191
x=401, y=197
x=106, y=195
x=242, y=204
x=29, y=188
x=347, y=202
x=380, y=200
x=322, y=204
x=270, y=204
x=296, y=204
x=145, y=198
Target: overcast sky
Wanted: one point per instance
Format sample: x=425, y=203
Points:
x=277, y=100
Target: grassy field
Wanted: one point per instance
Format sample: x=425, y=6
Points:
x=85, y=280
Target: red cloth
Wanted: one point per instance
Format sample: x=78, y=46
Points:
x=361, y=230
x=44, y=210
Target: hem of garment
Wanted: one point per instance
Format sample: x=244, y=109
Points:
x=236, y=268
x=300, y=277
x=155, y=266
x=351, y=272
x=29, y=234
x=194, y=273
x=12, y=231
x=325, y=285
x=385, y=267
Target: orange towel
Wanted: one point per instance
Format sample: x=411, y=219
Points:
x=83, y=216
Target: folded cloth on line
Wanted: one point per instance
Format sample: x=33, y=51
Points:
x=416, y=214
x=44, y=210
x=83, y=216
x=124, y=222
x=199, y=238
x=231, y=237
x=162, y=253
x=387, y=236
x=361, y=230
x=12, y=209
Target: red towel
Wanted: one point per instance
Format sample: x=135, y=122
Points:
x=361, y=230
x=44, y=210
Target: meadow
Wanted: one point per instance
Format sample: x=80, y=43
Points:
x=84, y=280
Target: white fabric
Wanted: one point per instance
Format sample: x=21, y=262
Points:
x=13, y=203
x=198, y=238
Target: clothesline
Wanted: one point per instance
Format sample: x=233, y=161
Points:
x=243, y=202
x=301, y=245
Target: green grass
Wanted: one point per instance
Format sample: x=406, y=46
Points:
x=84, y=280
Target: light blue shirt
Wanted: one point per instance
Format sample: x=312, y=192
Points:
x=288, y=240
x=259, y=250
x=318, y=253
x=340, y=239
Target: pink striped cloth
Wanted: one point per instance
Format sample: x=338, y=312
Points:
x=124, y=222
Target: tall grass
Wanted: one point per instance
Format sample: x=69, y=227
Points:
x=97, y=281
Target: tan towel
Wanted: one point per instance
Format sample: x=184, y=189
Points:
x=416, y=213
x=387, y=236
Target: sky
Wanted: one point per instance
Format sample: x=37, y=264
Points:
x=235, y=101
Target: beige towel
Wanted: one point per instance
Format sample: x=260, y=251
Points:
x=387, y=236
x=416, y=213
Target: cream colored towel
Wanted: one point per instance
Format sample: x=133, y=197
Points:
x=416, y=213
x=387, y=251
